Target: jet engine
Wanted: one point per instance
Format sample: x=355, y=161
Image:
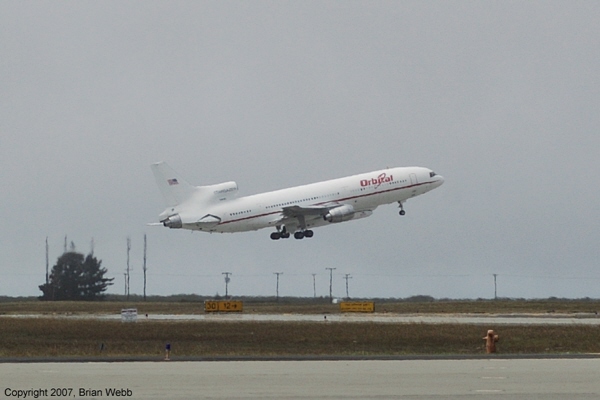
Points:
x=223, y=191
x=173, y=222
x=340, y=214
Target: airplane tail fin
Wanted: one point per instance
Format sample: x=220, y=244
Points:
x=174, y=189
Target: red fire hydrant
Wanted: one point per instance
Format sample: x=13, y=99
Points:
x=490, y=341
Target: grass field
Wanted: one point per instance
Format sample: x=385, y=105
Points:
x=306, y=307
x=54, y=337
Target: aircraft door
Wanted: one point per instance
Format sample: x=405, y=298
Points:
x=413, y=179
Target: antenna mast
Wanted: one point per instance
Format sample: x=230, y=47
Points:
x=278, y=273
x=47, y=262
x=346, y=277
x=227, y=279
x=145, y=247
x=330, y=282
x=127, y=273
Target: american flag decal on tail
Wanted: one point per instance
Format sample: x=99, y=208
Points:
x=172, y=182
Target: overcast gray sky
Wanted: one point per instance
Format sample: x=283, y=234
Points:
x=501, y=98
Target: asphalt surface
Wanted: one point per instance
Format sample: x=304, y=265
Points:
x=565, y=378
x=483, y=319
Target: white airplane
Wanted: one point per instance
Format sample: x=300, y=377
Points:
x=217, y=208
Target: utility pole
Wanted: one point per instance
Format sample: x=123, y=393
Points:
x=127, y=274
x=495, y=288
x=144, y=267
x=347, y=276
x=278, y=273
x=47, y=262
x=65, y=247
x=125, y=279
x=226, y=283
x=330, y=282
x=314, y=286
x=92, y=244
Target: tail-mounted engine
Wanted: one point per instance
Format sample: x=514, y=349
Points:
x=340, y=214
x=222, y=191
x=173, y=222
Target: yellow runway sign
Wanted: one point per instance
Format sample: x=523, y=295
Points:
x=223, y=306
x=357, y=306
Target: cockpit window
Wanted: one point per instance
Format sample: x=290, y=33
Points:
x=432, y=174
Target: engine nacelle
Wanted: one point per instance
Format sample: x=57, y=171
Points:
x=173, y=222
x=223, y=191
x=340, y=214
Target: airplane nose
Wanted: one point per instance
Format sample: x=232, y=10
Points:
x=439, y=180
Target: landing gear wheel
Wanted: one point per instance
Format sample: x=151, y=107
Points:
x=275, y=235
x=299, y=235
x=308, y=233
x=402, y=212
x=285, y=235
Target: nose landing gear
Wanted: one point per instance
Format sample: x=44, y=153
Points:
x=401, y=204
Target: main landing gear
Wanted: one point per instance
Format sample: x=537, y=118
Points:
x=279, y=235
x=302, y=234
x=284, y=234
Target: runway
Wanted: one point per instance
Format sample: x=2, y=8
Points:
x=474, y=319
x=397, y=379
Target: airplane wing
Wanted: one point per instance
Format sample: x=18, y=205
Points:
x=312, y=211
x=297, y=216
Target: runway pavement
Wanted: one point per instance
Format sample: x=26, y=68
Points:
x=484, y=319
x=375, y=379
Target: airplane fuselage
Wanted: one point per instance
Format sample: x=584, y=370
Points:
x=217, y=208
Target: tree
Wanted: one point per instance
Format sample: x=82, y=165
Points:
x=75, y=277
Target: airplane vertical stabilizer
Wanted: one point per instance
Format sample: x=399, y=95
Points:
x=174, y=189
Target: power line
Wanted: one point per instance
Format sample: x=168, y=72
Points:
x=278, y=273
x=226, y=283
x=330, y=282
x=47, y=262
x=144, y=267
x=347, y=276
x=495, y=288
x=127, y=273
